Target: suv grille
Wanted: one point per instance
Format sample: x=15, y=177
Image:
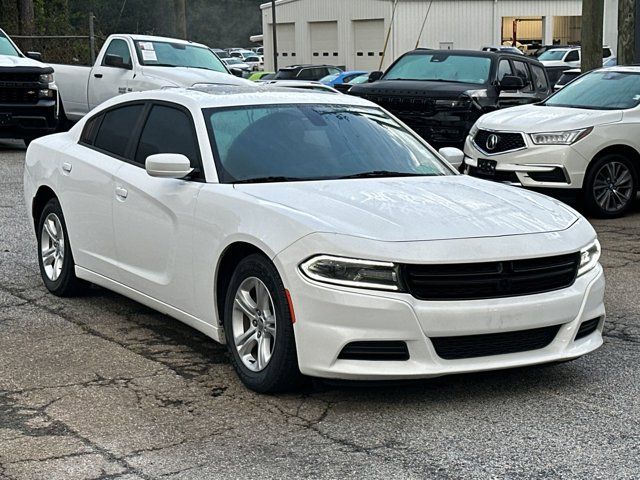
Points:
x=472, y=281
x=506, y=141
x=471, y=346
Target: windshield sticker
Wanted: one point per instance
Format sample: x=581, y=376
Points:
x=149, y=56
x=146, y=45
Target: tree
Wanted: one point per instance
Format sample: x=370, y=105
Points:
x=27, y=24
x=626, y=31
x=180, y=15
x=592, y=26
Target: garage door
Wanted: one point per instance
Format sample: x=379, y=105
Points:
x=369, y=43
x=324, y=43
x=286, y=44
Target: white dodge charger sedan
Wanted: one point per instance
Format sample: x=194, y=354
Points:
x=583, y=141
x=314, y=234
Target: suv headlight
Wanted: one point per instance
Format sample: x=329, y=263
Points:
x=474, y=130
x=589, y=257
x=350, y=272
x=46, y=78
x=567, y=137
x=464, y=102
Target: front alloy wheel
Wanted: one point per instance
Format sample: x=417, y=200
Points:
x=611, y=186
x=52, y=247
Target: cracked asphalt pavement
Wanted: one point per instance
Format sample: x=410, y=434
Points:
x=103, y=387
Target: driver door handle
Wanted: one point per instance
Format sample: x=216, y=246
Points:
x=121, y=192
x=97, y=75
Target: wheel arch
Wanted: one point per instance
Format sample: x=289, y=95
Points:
x=40, y=199
x=619, y=149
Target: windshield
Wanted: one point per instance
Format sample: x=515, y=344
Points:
x=166, y=54
x=314, y=142
x=360, y=79
x=329, y=78
x=441, y=67
x=6, y=47
x=601, y=90
x=552, y=55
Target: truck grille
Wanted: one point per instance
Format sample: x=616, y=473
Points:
x=18, y=95
x=473, y=281
x=484, y=345
x=504, y=141
x=19, y=87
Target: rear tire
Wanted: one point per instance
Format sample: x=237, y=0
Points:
x=57, y=267
x=610, y=186
x=259, y=329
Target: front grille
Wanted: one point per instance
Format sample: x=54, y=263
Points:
x=375, y=350
x=403, y=105
x=18, y=95
x=484, y=345
x=505, y=141
x=19, y=77
x=587, y=328
x=473, y=281
x=497, y=175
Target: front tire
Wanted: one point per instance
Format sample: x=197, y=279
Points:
x=259, y=329
x=57, y=267
x=610, y=186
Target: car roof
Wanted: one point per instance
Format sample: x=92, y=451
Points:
x=212, y=95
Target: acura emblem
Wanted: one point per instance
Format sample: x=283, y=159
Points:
x=492, y=141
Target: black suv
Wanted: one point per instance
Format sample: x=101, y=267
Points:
x=306, y=72
x=441, y=93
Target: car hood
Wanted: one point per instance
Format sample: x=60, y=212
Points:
x=10, y=61
x=415, y=208
x=540, y=118
x=414, y=88
x=186, y=77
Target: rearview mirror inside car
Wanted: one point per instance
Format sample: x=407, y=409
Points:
x=35, y=56
x=511, y=82
x=168, y=165
x=116, y=61
x=452, y=155
x=375, y=76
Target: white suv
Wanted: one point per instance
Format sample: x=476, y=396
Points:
x=584, y=139
x=569, y=57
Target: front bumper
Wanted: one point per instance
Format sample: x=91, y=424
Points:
x=28, y=120
x=329, y=318
x=532, y=166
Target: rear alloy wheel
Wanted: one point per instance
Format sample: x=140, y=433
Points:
x=610, y=186
x=259, y=329
x=55, y=258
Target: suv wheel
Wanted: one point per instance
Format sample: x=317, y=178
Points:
x=610, y=186
x=258, y=327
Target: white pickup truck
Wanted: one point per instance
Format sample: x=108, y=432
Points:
x=132, y=63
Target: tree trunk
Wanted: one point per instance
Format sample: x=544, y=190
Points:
x=180, y=16
x=592, y=26
x=27, y=22
x=626, y=31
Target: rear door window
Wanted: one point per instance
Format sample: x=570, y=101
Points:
x=116, y=127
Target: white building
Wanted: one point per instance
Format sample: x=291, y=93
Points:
x=352, y=33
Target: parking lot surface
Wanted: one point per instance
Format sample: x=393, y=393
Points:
x=103, y=387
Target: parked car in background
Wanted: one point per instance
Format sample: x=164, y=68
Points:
x=543, y=48
x=582, y=141
x=222, y=54
x=254, y=77
x=557, y=60
x=29, y=105
x=566, y=77
x=441, y=93
x=239, y=65
x=342, y=77
x=300, y=84
x=243, y=54
x=314, y=234
x=129, y=63
x=345, y=87
x=306, y=72
x=254, y=62
x=503, y=48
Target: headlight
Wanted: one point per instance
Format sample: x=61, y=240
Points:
x=589, y=257
x=568, y=137
x=457, y=103
x=46, y=78
x=474, y=130
x=351, y=272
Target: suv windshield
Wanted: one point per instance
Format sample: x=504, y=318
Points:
x=279, y=143
x=166, y=54
x=552, y=55
x=600, y=90
x=442, y=67
x=6, y=48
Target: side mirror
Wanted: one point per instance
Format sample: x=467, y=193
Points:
x=236, y=71
x=511, y=82
x=116, y=61
x=375, y=76
x=34, y=56
x=168, y=165
x=452, y=155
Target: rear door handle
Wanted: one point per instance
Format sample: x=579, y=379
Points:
x=66, y=167
x=97, y=75
x=121, y=192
